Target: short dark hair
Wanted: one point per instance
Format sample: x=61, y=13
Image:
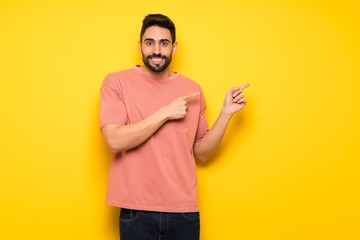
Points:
x=160, y=21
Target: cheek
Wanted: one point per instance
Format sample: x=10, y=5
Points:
x=168, y=52
x=144, y=52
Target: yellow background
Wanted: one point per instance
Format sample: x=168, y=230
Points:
x=288, y=167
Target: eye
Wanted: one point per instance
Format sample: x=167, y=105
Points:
x=149, y=43
x=164, y=44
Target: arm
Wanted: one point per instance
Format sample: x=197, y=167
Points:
x=233, y=103
x=123, y=137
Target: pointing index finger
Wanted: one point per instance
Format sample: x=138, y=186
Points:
x=246, y=85
x=190, y=96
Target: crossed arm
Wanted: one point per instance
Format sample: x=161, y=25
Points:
x=123, y=137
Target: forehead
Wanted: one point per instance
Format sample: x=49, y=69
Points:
x=157, y=33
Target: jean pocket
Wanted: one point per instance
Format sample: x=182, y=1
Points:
x=127, y=215
x=192, y=216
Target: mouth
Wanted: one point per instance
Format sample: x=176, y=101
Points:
x=157, y=60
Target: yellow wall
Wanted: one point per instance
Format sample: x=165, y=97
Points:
x=289, y=165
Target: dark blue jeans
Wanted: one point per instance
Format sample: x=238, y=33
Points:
x=146, y=225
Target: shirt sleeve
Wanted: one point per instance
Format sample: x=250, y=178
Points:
x=203, y=124
x=112, y=106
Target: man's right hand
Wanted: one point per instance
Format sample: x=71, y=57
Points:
x=177, y=109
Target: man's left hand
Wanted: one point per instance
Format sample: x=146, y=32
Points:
x=235, y=100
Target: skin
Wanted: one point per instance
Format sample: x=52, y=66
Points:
x=157, y=40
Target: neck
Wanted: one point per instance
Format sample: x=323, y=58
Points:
x=157, y=75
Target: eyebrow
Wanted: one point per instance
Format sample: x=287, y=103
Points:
x=161, y=40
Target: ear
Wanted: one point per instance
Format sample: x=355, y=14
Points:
x=139, y=47
x=174, y=48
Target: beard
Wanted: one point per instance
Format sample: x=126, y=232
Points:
x=157, y=67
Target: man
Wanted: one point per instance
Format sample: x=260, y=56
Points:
x=154, y=124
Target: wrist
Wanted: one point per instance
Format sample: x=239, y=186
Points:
x=162, y=114
x=226, y=114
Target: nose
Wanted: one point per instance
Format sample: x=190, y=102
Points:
x=156, y=48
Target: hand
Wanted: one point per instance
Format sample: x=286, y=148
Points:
x=177, y=109
x=235, y=100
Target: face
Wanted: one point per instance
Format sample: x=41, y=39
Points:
x=157, y=48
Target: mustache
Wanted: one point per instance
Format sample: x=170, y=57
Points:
x=156, y=56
